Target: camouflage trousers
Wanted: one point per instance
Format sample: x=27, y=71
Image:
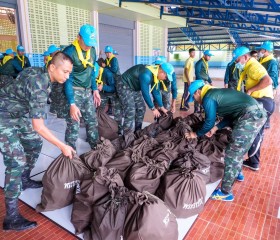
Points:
x=133, y=106
x=84, y=101
x=20, y=146
x=116, y=105
x=244, y=132
x=59, y=104
x=5, y=79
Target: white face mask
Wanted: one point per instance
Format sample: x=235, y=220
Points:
x=261, y=54
x=240, y=66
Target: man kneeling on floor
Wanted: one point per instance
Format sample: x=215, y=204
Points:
x=20, y=143
x=239, y=111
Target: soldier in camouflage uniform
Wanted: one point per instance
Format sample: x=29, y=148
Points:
x=107, y=88
x=239, y=111
x=19, y=143
x=136, y=80
x=79, y=87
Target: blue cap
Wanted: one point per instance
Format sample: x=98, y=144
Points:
x=96, y=69
x=208, y=53
x=195, y=85
x=20, y=48
x=1, y=55
x=168, y=69
x=46, y=53
x=238, y=52
x=9, y=51
x=160, y=60
x=115, y=52
x=88, y=34
x=108, y=49
x=267, y=45
x=52, y=48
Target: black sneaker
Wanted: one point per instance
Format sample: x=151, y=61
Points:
x=254, y=167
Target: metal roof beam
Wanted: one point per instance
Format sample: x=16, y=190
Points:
x=240, y=5
x=226, y=16
x=235, y=38
x=192, y=36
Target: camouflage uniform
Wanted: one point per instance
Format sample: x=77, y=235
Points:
x=58, y=104
x=244, y=131
x=19, y=143
x=78, y=90
x=84, y=101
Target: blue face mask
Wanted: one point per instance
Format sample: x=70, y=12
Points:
x=240, y=66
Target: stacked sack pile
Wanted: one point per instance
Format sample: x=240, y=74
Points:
x=135, y=186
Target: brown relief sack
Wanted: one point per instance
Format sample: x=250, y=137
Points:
x=145, y=175
x=193, y=119
x=169, y=135
x=107, y=127
x=100, y=156
x=195, y=160
x=183, y=190
x=149, y=218
x=165, y=120
x=167, y=151
x=151, y=131
x=217, y=170
x=60, y=181
x=93, y=190
x=124, y=141
x=121, y=161
x=109, y=216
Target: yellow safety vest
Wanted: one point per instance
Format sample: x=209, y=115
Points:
x=205, y=89
x=84, y=61
x=266, y=59
x=22, y=60
x=154, y=71
x=99, y=78
x=108, y=60
x=206, y=63
x=6, y=59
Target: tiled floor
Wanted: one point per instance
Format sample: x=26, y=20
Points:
x=253, y=214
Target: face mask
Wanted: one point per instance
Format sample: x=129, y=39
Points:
x=240, y=66
x=261, y=54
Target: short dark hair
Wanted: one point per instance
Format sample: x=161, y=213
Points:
x=100, y=61
x=191, y=50
x=60, y=57
x=253, y=52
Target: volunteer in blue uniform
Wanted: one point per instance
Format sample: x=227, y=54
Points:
x=20, y=60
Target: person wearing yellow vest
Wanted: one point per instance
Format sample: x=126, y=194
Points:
x=232, y=75
x=45, y=55
x=1, y=58
x=269, y=62
x=20, y=60
x=7, y=68
x=258, y=84
x=107, y=88
x=188, y=77
x=137, y=83
x=111, y=63
x=239, y=111
x=202, y=72
x=80, y=89
x=271, y=66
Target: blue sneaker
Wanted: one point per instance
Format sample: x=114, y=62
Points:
x=240, y=177
x=219, y=195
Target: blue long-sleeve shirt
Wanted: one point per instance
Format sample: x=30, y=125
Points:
x=80, y=76
x=271, y=67
x=174, y=89
x=201, y=71
x=114, y=66
x=108, y=81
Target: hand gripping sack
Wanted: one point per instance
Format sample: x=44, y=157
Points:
x=149, y=219
x=183, y=190
x=100, y=156
x=107, y=127
x=145, y=175
x=60, y=181
x=93, y=190
x=165, y=120
x=121, y=161
x=109, y=216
